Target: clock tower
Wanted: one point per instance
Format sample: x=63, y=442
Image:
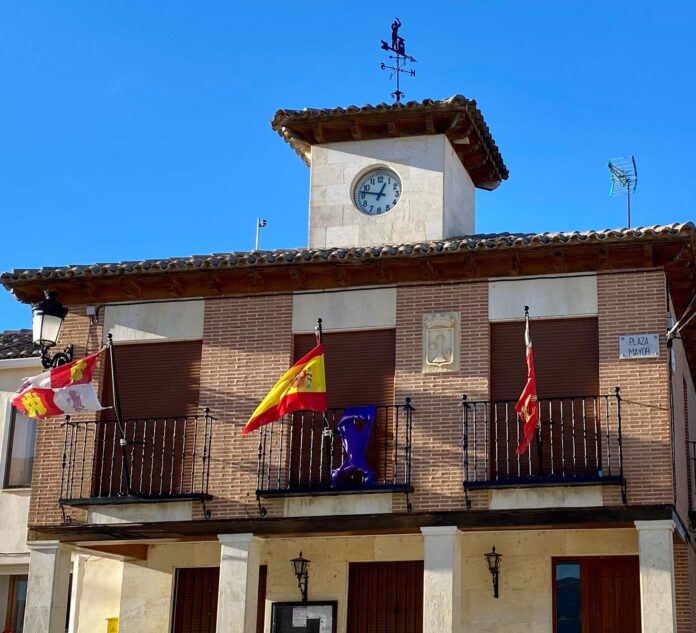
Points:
x=392, y=174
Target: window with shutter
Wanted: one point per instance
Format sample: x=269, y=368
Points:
x=566, y=362
x=158, y=386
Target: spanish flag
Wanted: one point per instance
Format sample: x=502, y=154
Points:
x=301, y=388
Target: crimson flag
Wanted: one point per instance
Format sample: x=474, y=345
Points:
x=527, y=406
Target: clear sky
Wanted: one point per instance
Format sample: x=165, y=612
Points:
x=133, y=130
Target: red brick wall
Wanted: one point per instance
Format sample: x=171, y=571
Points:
x=437, y=428
x=247, y=345
x=631, y=303
x=46, y=476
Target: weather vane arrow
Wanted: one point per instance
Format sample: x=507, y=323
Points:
x=401, y=58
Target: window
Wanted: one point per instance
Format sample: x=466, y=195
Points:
x=16, y=600
x=20, y=450
x=596, y=594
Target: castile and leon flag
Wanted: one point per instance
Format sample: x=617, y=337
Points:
x=60, y=390
x=527, y=406
x=301, y=388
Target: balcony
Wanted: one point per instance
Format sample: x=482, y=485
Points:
x=577, y=442
x=153, y=459
x=336, y=452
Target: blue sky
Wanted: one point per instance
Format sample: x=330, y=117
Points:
x=132, y=130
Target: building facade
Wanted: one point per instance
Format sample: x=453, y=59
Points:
x=17, y=434
x=176, y=522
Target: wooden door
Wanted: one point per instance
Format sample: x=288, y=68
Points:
x=195, y=600
x=597, y=594
x=385, y=597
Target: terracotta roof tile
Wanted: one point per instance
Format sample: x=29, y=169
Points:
x=471, y=243
x=17, y=344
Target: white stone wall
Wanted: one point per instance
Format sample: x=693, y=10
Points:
x=547, y=297
x=430, y=181
x=96, y=593
x=344, y=310
x=171, y=320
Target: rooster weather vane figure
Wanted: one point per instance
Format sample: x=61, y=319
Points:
x=398, y=47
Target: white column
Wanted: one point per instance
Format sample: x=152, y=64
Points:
x=658, y=609
x=78, y=574
x=442, y=579
x=239, y=582
x=47, y=590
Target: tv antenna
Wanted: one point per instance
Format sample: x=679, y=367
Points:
x=398, y=46
x=624, y=179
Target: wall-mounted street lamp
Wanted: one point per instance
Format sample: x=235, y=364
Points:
x=300, y=566
x=493, y=560
x=47, y=321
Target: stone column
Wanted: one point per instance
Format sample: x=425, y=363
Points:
x=658, y=609
x=239, y=582
x=78, y=574
x=47, y=590
x=442, y=582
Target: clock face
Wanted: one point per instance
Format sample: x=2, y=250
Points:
x=377, y=192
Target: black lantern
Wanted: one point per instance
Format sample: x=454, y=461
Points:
x=47, y=321
x=300, y=566
x=493, y=560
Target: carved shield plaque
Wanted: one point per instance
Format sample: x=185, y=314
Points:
x=441, y=342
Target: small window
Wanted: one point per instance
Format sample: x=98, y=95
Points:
x=20, y=450
x=567, y=585
x=16, y=600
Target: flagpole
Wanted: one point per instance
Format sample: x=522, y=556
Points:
x=540, y=451
x=318, y=331
x=123, y=443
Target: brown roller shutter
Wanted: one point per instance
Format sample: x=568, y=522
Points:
x=195, y=600
x=359, y=371
x=156, y=379
x=566, y=362
x=566, y=358
x=385, y=597
x=359, y=366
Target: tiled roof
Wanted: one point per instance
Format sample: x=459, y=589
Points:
x=471, y=243
x=17, y=344
x=457, y=117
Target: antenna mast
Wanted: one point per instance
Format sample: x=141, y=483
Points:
x=624, y=179
x=398, y=46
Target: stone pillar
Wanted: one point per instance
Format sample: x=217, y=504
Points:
x=442, y=580
x=239, y=582
x=47, y=590
x=658, y=609
x=78, y=575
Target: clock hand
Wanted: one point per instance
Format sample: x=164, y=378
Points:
x=374, y=193
x=381, y=191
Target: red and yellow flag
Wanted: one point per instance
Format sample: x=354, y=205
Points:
x=527, y=406
x=60, y=390
x=301, y=388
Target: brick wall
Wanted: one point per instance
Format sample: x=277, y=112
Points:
x=437, y=427
x=46, y=476
x=631, y=303
x=247, y=345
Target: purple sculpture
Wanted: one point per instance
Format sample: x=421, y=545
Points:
x=355, y=428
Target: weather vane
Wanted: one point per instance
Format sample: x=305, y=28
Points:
x=398, y=46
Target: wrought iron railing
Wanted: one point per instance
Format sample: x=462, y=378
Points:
x=578, y=441
x=305, y=453
x=146, y=459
